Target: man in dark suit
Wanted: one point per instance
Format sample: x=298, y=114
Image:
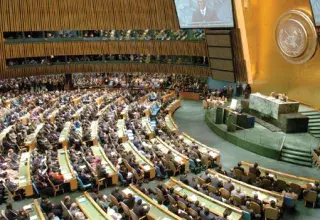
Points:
x=139, y=209
x=216, y=182
x=117, y=194
x=129, y=201
x=206, y=215
x=239, y=167
x=255, y=170
x=196, y=206
x=204, y=13
x=228, y=185
x=10, y=213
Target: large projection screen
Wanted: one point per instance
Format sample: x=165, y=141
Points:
x=315, y=4
x=205, y=13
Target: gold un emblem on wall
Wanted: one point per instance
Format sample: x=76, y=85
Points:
x=296, y=37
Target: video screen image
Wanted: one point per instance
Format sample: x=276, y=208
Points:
x=205, y=13
x=315, y=4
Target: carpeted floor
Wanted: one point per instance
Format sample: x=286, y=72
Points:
x=190, y=119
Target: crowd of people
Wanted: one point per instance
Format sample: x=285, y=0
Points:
x=128, y=58
x=110, y=35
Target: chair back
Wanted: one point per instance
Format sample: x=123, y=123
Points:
x=172, y=167
x=66, y=213
x=252, y=177
x=310, y=196
x=127, y=165
x=266, y=183
x=237, y=200
x=171, y=199
x=133, y=215
x=238, y=174
x=160, y=195
x=181, y=205
x=271, y=213
x=280, y=185
x=201, y=181
x=114, y=200
x=205, y=161
x=193, y=213
x=295, y=188
x=136, y=175
x=212, y=189
x=3, y=213
x=125, y=208
x=255, y=207
x=224, y=193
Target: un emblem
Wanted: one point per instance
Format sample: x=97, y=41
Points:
x=296, y=37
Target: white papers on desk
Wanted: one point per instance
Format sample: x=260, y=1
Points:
x=312, y=184
x=146, y=167
x=178, y=189
x=193, y=198
x=272, y=198
x=82, y=167
x=271, y=175
x=213, y=154
x=67, y=176
x=63, y=172
x=33, y=217
x=83, y=199
x=127, y=191
x=178, y=159
x=22, y=181
x=27, y=207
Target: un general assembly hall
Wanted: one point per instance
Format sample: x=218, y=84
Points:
x=159, y=109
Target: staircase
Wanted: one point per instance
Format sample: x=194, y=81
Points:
x=296, y=156
x=314, y=122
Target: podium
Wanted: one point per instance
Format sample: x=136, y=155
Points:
x=231, y=123
x=219, y=115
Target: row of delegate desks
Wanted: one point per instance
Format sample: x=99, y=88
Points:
x=25, y=173
x=90, y=208
x=214, y=206
x=121, y=130
x=66, y=169
x=168, y=96
x=146, y=165
x=98, y=151
x=172, y=107
x=303, y=182
x=157, y=211
x=178, y=157
x=212, y=152
x=31, y=139
x=64, y=135
x=35, y=212
x=171, y=125
x=94, y=126
x=145, y=122
x=249, y=190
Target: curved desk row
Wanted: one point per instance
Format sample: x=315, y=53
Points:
x=215, y=206
x=159, y=212
x=143, y=162
x=64, y=135
x=249, y=190
x=121, y=130
x=90, y=208
x=97, y=151
x=25, y=173
x=212, y=152
x=173, y=107
x=145, y=122
x=303, y=182
x=66, y=169
x=171, y=125
x=178, y=157
x=31, y=140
